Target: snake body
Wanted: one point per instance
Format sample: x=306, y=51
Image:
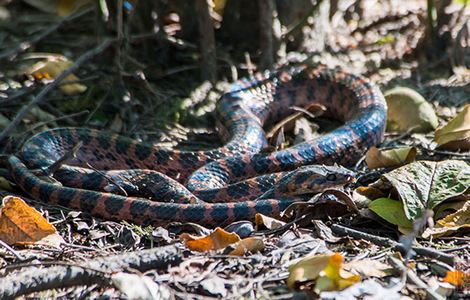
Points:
x=148, y=185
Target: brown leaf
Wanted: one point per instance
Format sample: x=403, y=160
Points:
x=455, y=135
x=21, y=224
x=377, y=158
x=268, y=222
x=288, y=123
x=218, y=239
x=248, y=245
x=457, y=221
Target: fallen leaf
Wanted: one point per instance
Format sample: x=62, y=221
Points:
x=139, y=286
x=218, y=239
x=457, y=278
x=268, y=222
x=408, y=110
x=275, y=134
x=363, y=195
x=455, y=135
x=367, y=267
x=459, y=220
x=51, y=67
x=325, y=269
x=21, y=224
x=391, y=211
x=248, y=245
x=448, y=207
x=377, y=158
x=424, y=184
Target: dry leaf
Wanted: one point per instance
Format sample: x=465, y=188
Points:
x=51, y=68
x=288, y=123
x=248, y=245
x=218, y=239
x=21, y=224
x=459, y=220
x=268, y=222
x=408, y=110
x=366, y=267
x=377, y=158
x=455, y=135
x=325, y=269
x=457, y=278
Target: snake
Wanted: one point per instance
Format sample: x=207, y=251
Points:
x=118, y=178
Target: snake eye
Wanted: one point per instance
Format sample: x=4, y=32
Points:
x=331, y=177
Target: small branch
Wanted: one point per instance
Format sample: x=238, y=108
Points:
x=207, y=41
x=96, y=271
x=386, y=242
x=40, y=97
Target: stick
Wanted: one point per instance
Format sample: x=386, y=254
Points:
x=40, y=97
x=97, y=271
x=386, y=242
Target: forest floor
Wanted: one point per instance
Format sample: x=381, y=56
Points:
x=144, y=80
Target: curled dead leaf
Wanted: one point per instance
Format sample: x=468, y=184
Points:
x=377, y=158
x=457, y=221
x=268, y=222
x=455, y=135
x=248, y=245
x=218, y=239
x=21, y=224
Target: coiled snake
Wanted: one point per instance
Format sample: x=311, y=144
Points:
x=219, y=186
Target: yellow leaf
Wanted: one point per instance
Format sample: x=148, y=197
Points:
x=456, y=133
x=325, y=269
x=268, y=222
x=459, y=220
x=51, y=68
x=457, y=278
x=218, y=6
x=377, y=158
x=21, y=224
x=218, y=239
x=66, y=7
x=248, y=245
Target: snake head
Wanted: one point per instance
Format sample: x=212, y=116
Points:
x=314, y=179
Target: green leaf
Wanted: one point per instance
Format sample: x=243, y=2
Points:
x=424, y=184
x=391, y=211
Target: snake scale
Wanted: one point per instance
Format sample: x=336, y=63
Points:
x=118, y=178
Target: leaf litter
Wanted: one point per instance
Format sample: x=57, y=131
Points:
x=252, y=260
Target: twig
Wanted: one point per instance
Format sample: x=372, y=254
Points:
x=27, y=44
x=386, y=242
x=40, y=97
x=94, y=272
x=413, y=278
x=6, y=246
